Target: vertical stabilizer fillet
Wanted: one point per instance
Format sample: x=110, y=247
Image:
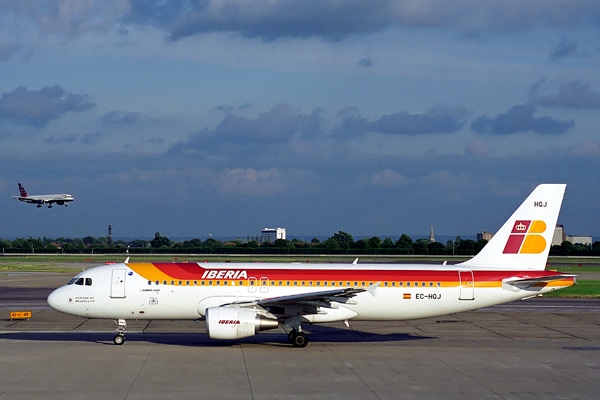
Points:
x=524, y=240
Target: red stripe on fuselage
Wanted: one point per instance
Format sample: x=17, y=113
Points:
x=193, y=271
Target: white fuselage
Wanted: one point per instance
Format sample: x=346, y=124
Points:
x=399, y=292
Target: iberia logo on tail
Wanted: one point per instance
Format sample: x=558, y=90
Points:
x=524, y=239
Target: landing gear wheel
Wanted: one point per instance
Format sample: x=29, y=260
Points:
x=119, y=339
x=298, y=339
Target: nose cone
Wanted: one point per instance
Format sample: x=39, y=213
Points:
x=55, y=299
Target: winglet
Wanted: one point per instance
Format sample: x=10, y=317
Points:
x=355, y=261
x=126, y=260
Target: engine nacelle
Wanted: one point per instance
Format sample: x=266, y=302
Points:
x=236, y=323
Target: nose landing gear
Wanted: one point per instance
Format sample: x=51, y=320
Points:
x=121, y=329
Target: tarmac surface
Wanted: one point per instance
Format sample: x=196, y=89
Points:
x=538, y=348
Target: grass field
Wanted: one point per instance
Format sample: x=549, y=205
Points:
x=583, y=289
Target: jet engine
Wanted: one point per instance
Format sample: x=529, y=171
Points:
x=236, y=323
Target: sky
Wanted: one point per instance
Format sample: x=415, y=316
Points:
x=204, y=117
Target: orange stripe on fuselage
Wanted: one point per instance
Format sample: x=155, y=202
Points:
x=193, y=271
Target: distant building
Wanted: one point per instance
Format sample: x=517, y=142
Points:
x=560, y=236
x=485, y=236
x=431, y=235
x=272, y=234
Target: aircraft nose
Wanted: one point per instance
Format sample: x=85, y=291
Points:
x=54, y=299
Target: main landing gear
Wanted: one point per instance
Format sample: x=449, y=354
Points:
x=298, y=339
x=120, y=336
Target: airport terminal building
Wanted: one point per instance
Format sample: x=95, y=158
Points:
x=272, y=234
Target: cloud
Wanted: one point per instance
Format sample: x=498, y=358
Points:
x=365, y=62
x=586, y=148
x=388, y=179
x=7, y=51
x=249, y=182
x=437, y=120
x=87, y=138
x=477, y=148
x=120, y=118
x=236, y=133
x=520, y=119
x=337, y=20
x=565, y=48
x=38, y=107
x=72, y=17
x=570, y=95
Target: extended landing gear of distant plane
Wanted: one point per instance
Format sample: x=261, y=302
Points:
x=120, y=336
x=298, y=339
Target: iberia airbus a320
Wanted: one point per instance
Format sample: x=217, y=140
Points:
x=239, y=300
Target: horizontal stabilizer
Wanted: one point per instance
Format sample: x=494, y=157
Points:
x=541, y=279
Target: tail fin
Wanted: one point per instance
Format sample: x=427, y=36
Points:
x=22, y=191
x=525, y=238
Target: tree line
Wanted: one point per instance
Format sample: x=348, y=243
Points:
x=339, y=243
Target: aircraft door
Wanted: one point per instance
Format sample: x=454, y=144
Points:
x=467, y=285
x=264, y=285
x=117, y=284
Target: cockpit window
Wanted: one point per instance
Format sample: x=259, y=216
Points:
x=80, y=281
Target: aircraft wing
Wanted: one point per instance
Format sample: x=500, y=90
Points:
x=306, y=303
x=328, y=296
x=27, y=200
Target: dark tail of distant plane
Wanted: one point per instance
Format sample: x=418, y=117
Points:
x=22, y=191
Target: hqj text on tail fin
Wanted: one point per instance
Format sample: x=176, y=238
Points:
x=22, y=191
x=525, y=238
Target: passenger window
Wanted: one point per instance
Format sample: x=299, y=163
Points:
x=158, y=282
x=149, y=283
x=88, y=281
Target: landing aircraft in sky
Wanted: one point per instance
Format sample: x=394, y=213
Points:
x=40, y=199
x=239, y=300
